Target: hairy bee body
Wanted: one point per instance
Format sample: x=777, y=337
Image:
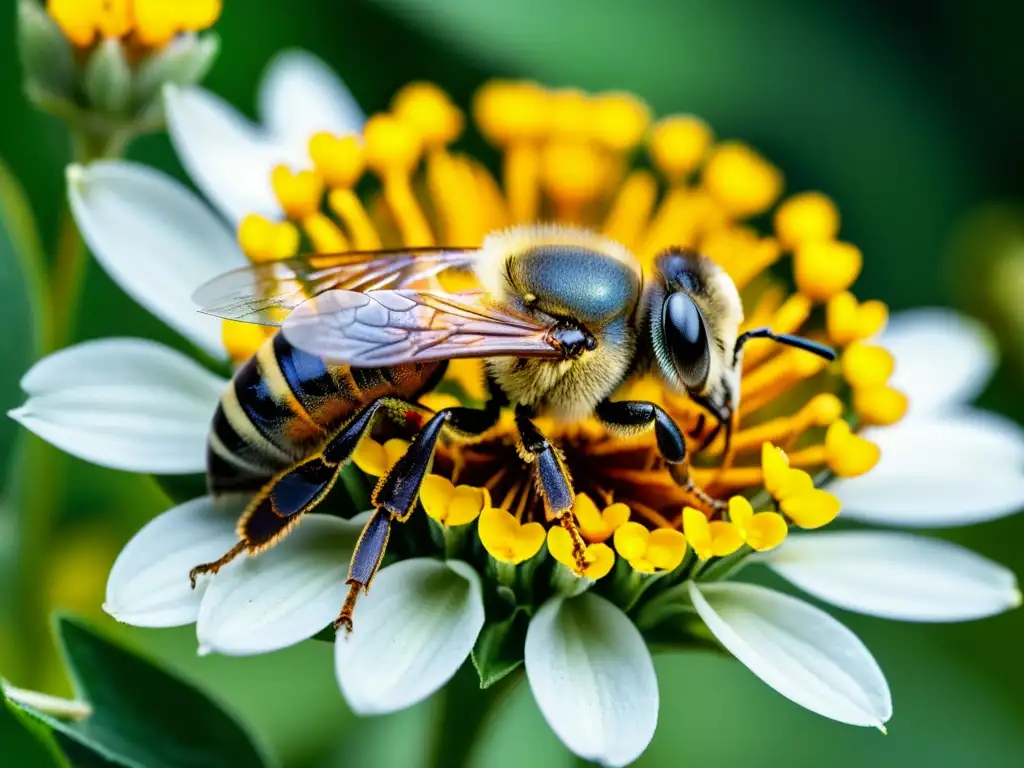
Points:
x=284, y=404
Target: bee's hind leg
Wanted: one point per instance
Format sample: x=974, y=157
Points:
x=636, y=415
x=395, y=496
x=281, y=502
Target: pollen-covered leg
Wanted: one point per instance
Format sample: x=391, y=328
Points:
x=635, y=415
x=395, y=496
x=280, y=504
x=553, y=480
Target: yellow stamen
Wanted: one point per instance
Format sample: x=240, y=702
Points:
x=598, y=525
x=393, y=150
x=848, y=321
x=453, y=188
x=649, y=551
x=452, y=505
x=522, y=181
x=506, y=112
x=741, y=253
x=339, y=161
x=428, y=109
x=631, y=209
x=760, y=531
x=682, y=216
x=823, y=268
x=243, y=340
x=572, y=173
x=619, y=120
x=849, y=454
x=806, y=217
x=599, y=558
x=299, y=193
x=714, y=539
x=867, y=365
x=265, y=240
x=324, y=234
x=76, y=18
x=880, y=405
x=776, y=376
x=788, y=318
x=740, y=179
x=812, y=509
x=506, y=540
x=820, y=411
x=677, y=145
x=156, y=22
x=376, y=459
x=350, y=210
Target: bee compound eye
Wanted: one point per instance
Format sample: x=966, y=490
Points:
x=687, y=339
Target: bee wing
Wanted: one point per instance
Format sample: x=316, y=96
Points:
x=386, y=328
x=265, y=293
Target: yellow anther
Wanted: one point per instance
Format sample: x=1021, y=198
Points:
x=880, y=405
x=428, y=109
x=849, y=321
x=743, y=181
x=806, y=217
x=324, y=234
x=867, y=365
x=677, y=144
x=823, y=409
x=775, y=465
x=340, y=161
x=787, y=318
x=761, y=530
x=347, y=207
x=376, y=459
x=812, y=509
x=506, y=111
x=849, y=454
x=570, y=113
x=649, y=551
x=573, y=171
x=506, y=540
x=619, y=120
x=714, y=539
x=299, y=193
x=598, y=525
x=391, y=145
x=114, y=19
x=77, y=19
x=599, y=558
x=243, y=340
x=631, y=209
x=741, y=252
x=824, y=268
x=682, y=216
x=450, y=504
x=265, y=240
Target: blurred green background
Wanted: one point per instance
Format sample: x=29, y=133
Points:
x=909, y=115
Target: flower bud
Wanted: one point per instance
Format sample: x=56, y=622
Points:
x=45, y=54
x=107, y=80
x=184, y=61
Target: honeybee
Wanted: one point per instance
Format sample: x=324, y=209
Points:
x=563, y=317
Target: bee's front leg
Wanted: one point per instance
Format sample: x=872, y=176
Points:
x=637, y=415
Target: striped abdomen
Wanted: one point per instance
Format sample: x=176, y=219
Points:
x=283, y=404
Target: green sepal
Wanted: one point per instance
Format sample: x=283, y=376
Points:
x=499, y=648
x=107, y=80
x=45, y=53
x=183, y=62
x=143, y=716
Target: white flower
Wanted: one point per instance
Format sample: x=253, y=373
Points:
x=157, y=239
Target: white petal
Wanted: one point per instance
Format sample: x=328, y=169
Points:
x=957, y=469
x=593, y=678
x=157, y=240
x=300, y=96
x=123, y=403
x=797, y=649
x=411, y=633
x=943, y=358
x=149, y=585
x=282, y=596
x=228, y=158
x=895, y=575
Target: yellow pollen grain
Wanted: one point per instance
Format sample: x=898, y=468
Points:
x=430, y=112
x=806, y=217
x=823, y=268
x=867, y=365
x=848, y=321
x=506, y=540
x=619, y=120
x=299, y=193
x=263, y=240
x=677, y=145
x=599, y=558
x=744, y=182
x=880, y=405
x=598, y=525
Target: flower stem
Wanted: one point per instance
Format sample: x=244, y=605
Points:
x=465, y=712
x=66, y=278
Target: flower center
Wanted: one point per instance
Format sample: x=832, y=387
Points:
x=147, y=24
x=570, y=157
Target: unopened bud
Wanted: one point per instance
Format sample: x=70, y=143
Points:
x=184, y=61
x=108, y=78
x=45, y=53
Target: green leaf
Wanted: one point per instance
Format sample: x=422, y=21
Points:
x=142, y=715
x=26, y=741
x=499, y=649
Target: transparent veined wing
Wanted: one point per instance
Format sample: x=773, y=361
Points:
x=387, y=328
x=265, y=293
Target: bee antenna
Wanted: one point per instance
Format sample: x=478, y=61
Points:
x=798, y=342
